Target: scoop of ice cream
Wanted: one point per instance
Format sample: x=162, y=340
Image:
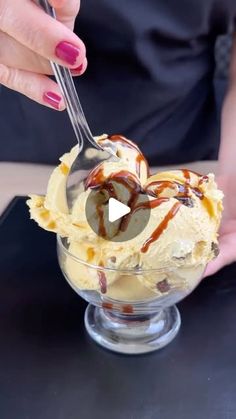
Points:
x=172, y=250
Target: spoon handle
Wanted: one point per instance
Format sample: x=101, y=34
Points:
x=67, y=86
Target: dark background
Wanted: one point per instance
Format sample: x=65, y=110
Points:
x=20, y=118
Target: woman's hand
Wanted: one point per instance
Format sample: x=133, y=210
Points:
x=227, y=238
x=29, y=38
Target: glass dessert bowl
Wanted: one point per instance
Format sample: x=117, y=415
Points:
x=132, y=268
x=125, y=315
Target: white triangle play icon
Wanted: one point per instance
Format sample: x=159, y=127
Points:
x=116, y=210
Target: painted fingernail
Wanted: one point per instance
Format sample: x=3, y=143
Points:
x=67, y=52
x=52, y=99
x=77, y=70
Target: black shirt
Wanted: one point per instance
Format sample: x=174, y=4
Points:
x=150, y=77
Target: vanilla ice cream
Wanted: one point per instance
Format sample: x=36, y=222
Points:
x=180, y=236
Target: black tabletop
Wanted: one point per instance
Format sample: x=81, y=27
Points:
x=50, y=369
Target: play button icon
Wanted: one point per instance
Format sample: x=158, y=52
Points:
x=116, y=210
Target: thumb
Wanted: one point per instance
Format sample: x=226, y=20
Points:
x=227, y=255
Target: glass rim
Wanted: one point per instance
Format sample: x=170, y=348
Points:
x=138, y=271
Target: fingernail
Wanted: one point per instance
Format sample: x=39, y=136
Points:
x=52, y=99
x=67, y=52
x=77, y=70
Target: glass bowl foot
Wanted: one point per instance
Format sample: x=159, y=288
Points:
x=132, y=334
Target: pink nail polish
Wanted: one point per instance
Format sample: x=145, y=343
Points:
x=52, y=99
x=67, y=52
x=77, y=70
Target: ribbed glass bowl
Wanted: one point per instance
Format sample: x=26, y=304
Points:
x=125, y=315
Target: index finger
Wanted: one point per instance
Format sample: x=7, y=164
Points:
x=33, y=28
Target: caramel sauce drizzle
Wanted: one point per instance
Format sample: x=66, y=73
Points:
x=96, y=179
x=101, y=225
x=127, y=309
x=140, y=157
x=203, y=179
x=126, y=219
x=183, y=192
x=162, y=226
x=198, y=193
x=139, y=160
x=102, y=280
x=150, y=204
x=160, y=186
x=107, y=306
x=141, y=205
x=186, y=174
x=109, y=187
x=129, y=181
x=124, y=141
x=196, y=173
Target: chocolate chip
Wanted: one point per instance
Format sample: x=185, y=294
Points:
x=215, y=249
x=113, y=259
x=163, y=286
x=185, y=200
x=204, y=179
